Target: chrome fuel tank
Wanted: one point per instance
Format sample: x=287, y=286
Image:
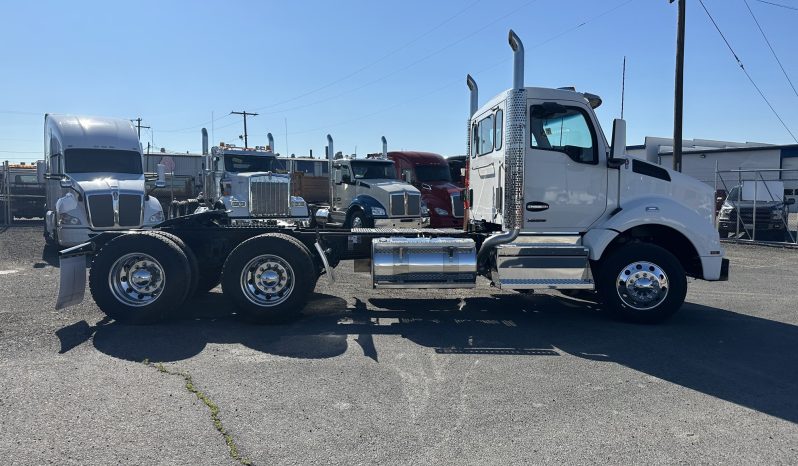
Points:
x=423, y=263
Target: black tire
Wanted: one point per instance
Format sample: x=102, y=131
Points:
x=293, y=270
x=168, y=255
x=359, y=215
x=618, y=262
x=193, y=264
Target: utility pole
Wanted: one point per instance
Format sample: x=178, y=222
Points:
x=678, y=97
x=244, y=113
x=139, y=126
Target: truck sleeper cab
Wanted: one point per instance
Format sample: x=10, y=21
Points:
x=94, y=179
x=431, y=175
x=552, y=206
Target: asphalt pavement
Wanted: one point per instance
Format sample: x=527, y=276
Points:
x=396, y=377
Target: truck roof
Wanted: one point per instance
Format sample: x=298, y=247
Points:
x=419, y=158
x=89, y=132
x=542, y=93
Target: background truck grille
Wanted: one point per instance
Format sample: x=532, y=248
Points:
x=101, y=210
x=129, y=210
x=763, y=216
x=405, y=204
x=268, y=198
x=457, y=205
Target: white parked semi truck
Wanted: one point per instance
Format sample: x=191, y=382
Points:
x=551, y=205
x=94, y=179
x=244, y=182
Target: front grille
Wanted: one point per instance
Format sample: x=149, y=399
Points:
x=457, y=205
x=414, y=204
x=129, y=210
x=268, y=197
x=101, y=210
x=747, y=216
x=397, y=205
x=405, y=204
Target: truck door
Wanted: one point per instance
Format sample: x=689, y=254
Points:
x=343, y=187
x=486, y=166
x=565, y=173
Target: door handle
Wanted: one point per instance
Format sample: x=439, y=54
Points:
x=536, y=206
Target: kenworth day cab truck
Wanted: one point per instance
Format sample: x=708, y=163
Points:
x=244, y=182
x=94, y=179
x=551, y=206
x=367, y=193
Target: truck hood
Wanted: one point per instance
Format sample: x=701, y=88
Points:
x=749, y=205
x=91, y=183
x=276, y=177
x=388, y=186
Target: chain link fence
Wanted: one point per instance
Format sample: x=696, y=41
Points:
x=757, y=205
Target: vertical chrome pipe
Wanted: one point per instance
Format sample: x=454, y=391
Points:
x=472, y=86
x=204, y=141
x=330, y=156
x=518, y=60
x=271, y=141
x=384, y=148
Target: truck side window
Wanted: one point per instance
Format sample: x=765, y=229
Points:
x=499, y=129
x=485, y=133
x=563, y=129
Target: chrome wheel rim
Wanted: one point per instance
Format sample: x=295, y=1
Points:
x=357, y=222
x=642, y=285
x=267, y=280
x=136, y=279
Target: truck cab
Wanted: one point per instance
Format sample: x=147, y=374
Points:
x=430, y=174
x=246, y=183
x=367, y=193
x=94, y=179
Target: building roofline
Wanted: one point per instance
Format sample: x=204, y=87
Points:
x=734, y=149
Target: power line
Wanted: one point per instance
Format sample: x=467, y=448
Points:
x=739, y=62
x=458, y=80
x=370, y=64
x=779, y=5
x=771, y=48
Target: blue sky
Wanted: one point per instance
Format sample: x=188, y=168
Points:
x=361, y=69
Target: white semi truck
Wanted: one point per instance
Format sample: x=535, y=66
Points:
x=94, y=179
x=244, y=182
x=551, y=205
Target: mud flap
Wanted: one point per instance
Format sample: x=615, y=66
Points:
x=72, y=286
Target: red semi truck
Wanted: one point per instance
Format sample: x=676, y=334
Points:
x=430, y=174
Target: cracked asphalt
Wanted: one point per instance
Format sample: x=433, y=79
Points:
x=423, y=377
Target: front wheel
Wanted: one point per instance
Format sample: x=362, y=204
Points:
x=269, y=277
x=642, y=283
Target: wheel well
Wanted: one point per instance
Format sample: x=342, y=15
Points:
x=665, y=237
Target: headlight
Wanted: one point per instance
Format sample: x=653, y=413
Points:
x=378, y=211
x=724, y=212
x=441, y=212
x=66, y=219
x=297, y=202
x=157, y=217
x=776, y=215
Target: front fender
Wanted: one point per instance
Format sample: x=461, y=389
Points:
x=656, y=210
x=365, y=203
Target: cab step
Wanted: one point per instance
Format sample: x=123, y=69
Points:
x=543, y=262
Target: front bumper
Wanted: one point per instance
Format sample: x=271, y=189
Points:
x=724, y=225
x=71, y=236
x=401, y=222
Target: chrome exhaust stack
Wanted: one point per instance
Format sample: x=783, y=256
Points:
x=384, y=148
x=271, y=141
x=472, y=86
x=204, y=141
x=330, y=157
x=513, y=158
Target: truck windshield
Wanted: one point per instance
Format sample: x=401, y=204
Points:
x=373, y=170
x=427, y=173
x=102, y=161
x=248, y=163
